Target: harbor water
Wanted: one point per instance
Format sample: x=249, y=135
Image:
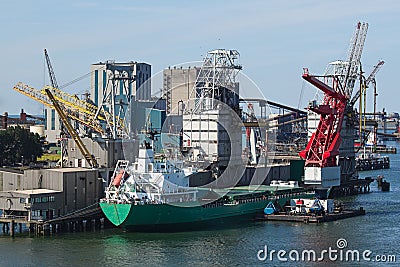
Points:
x=244, y=244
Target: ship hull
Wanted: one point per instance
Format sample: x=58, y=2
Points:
x=167, y=217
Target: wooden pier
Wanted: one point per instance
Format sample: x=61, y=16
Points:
x=350, y=188
x=286, y=217
x=80, y=221
x=10, y=222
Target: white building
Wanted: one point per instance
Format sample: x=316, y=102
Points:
x=214, y=136
x=52, y=126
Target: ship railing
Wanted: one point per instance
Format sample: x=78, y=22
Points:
x=154, y=186
x=179, y=191
x=169, y=197
x=172, y=193
x=118, y=201
x=258, y=199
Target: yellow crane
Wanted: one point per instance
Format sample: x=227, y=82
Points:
x=85, y=152
x=73, y=113
x=79, y=110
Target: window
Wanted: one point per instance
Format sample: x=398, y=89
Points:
x=45, y=119
x=96, y=87
x=121, y=88
x=36, y=213
x=53, y=119
x=22, y=200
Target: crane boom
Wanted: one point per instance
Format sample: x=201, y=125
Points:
x=354, y=57
x=84, y=112
x=367, y=81
x=323, y=147
x=51, y=71
x=85, y=152
x=74, y=113
x=53, y=80
x=83, y=106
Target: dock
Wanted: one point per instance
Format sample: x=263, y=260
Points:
x=286, y=217
x=366, y=162
x=89, y=218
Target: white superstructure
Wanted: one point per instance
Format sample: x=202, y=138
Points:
x=150, y=180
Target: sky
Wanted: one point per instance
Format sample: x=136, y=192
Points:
x=275, y=39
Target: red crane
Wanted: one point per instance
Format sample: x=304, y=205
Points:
x=323, y=148
x=322, y=152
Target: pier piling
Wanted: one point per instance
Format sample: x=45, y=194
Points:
x=12, y=228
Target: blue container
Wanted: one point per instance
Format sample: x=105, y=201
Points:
x=269, y=209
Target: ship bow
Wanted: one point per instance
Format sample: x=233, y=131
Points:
x=116, y=213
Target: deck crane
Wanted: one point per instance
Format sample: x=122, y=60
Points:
x=322, y=152
x=86, y=154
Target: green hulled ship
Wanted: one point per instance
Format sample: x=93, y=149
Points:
x=238, y=202
x=155, y=195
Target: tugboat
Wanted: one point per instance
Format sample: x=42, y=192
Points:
x=154, y=195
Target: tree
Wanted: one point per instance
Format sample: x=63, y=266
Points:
x=19, y=145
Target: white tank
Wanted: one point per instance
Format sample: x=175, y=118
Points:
x=39, y=129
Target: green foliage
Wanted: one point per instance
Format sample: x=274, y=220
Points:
x=18, y=144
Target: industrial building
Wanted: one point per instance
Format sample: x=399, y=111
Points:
x=211, y=122
x=127, y=78
x=178, y=84
x=48, y=193
x=214, y=136
x=106, y=151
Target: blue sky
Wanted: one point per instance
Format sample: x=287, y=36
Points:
x=276, y=39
